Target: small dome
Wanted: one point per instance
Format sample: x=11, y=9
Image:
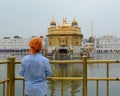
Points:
x=74, y=22
x=53, y=49
x=71, y=49
x=46, y=49
x=53, y=22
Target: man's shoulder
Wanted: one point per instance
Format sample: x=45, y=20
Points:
x=44, y=57
x=25, y=57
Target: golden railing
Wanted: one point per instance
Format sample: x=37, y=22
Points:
x=10, y=80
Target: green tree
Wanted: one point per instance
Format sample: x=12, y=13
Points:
x=16, y=36
x=91, y=39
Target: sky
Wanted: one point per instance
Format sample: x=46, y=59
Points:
x=27, y=18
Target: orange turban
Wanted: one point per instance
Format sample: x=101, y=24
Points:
x=35, y=45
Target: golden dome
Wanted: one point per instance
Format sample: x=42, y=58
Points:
x=74, y=22
x=71, y=49
x=53, y=22
x=46, y=49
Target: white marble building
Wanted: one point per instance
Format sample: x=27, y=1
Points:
x=107, y=44
x=16, y=44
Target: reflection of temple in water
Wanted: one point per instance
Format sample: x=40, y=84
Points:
x=66, y=70
x=64, y=40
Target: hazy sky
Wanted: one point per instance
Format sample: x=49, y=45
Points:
x=33, y=17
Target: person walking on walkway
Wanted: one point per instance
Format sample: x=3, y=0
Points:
x=35, y=68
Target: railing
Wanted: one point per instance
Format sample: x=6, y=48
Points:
x=10, y=80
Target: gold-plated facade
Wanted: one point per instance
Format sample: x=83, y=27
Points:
x=64, y=34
